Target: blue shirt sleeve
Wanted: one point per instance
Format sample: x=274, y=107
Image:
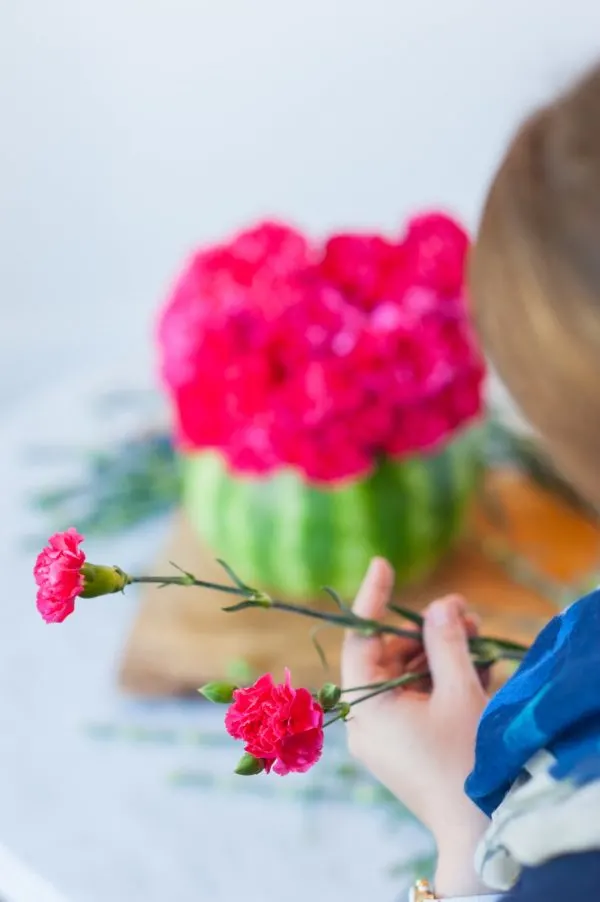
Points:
x=552, y=702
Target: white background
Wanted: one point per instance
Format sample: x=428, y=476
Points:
x=130, y=130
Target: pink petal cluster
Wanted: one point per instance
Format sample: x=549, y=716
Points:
x=281, y=352
x=58, y=575
x=278, y=724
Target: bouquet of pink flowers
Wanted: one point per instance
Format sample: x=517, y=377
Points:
x=278, y=351
x=281, y=727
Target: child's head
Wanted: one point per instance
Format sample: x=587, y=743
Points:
x=535, y=278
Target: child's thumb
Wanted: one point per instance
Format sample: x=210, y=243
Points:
x=447, y=646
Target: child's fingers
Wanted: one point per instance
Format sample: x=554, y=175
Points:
x=375, y=591
x=360, y=654
x=446, y=643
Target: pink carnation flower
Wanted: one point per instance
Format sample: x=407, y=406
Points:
x=58, y=575
x=281, y=352
x=278, y=724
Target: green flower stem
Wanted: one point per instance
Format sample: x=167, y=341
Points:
x=507, y=654
x=341, y=716
x=419, y=620
x=502, y=648
x=407, y=614
x=349, y=620
x=405, y=680
x=186, y=581
x=368, y=686
x=377, y=689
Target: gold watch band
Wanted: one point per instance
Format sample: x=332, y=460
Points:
x=421, y=892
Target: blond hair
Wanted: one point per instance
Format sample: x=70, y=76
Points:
x=535, y=278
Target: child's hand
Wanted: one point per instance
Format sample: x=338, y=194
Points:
x=419, y=742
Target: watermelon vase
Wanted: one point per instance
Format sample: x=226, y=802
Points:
x=282, y=534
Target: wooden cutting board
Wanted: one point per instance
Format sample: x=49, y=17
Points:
x=182, y=639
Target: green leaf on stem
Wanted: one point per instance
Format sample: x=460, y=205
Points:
x=218, y=692
x=406, y=614
x=249, y=766
x=318, y=647
x=240, y=606
x=190, y=579
x=233, y=576
x=340, y=603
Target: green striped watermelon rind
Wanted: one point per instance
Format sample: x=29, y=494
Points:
x=284, y=535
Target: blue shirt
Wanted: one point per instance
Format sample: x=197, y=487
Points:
x=552, y=702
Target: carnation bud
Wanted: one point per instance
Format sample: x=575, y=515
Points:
x=329, y=695
x=100, y=580
x=220, y=693
x=249, y=766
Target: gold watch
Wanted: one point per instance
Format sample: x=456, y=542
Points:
x=421, y=892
